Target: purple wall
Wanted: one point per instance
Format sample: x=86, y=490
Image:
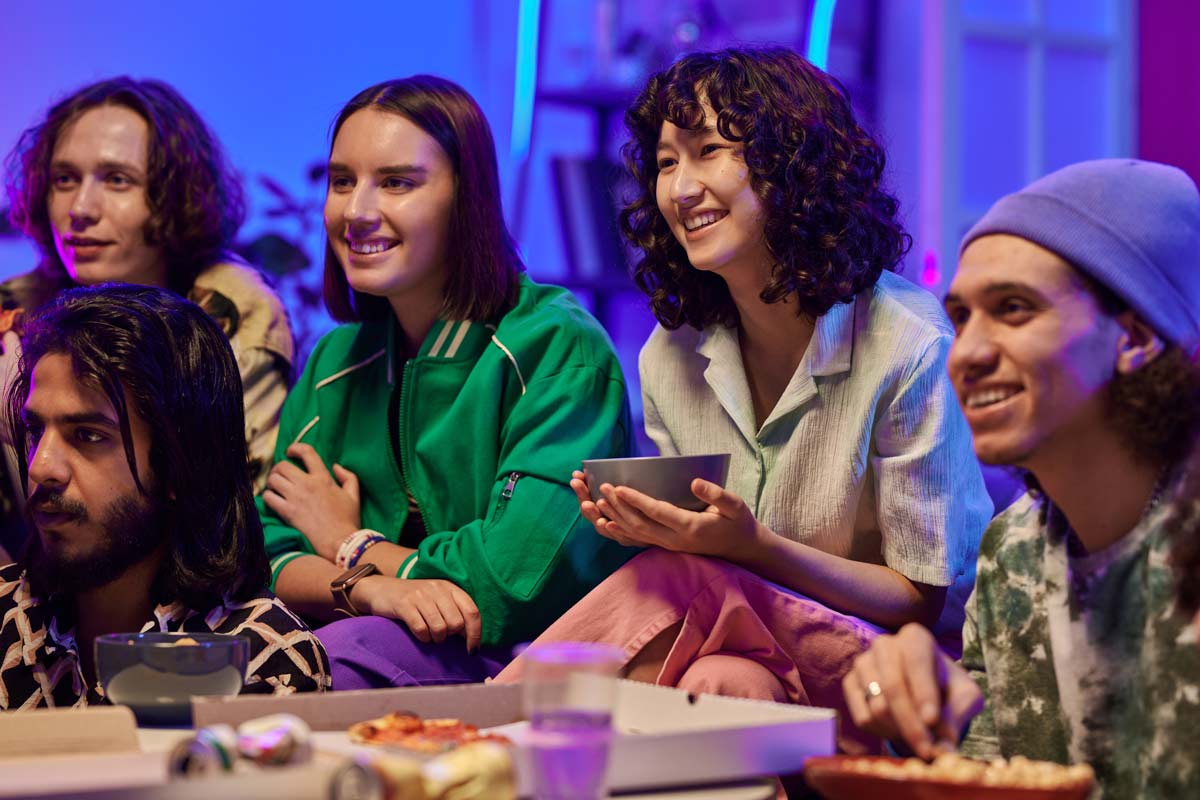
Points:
x=1169, y=83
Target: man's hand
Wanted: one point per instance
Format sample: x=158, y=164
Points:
x=629, y=517
x=310, y=501
x=432, y=609
x=906, y=689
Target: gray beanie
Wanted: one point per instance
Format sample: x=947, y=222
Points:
x=1132, y=226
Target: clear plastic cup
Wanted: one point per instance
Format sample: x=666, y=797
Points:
x=570, y=691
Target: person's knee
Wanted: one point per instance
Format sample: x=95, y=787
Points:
x=732, y=676
x=355, y=633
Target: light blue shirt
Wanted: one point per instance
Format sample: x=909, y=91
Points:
x=866, y=455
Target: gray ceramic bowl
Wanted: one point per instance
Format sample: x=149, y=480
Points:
x=157, y=677
x=666, y=478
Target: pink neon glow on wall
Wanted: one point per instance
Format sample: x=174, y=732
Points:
x=1169, y=84
x=932, y=113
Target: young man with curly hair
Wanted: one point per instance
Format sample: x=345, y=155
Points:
x=854, y=503
x=122, y=181
x=119, y=388
x=1077, y=313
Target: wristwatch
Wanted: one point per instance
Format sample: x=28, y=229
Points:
x=341, y=585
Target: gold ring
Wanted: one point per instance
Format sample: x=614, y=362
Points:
x=873, y=690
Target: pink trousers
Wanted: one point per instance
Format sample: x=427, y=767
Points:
x=741, y=635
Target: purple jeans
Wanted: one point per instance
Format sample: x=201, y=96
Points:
x=376, y=652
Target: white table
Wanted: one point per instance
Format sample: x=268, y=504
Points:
x=142, y=776
x=302, y=783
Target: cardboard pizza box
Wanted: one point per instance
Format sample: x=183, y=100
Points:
x=48, y=731
x=69, y=751
x=665, y=736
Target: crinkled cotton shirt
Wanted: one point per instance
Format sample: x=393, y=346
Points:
x=866, y=455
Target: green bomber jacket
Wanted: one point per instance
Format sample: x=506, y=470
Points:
x=489, y=421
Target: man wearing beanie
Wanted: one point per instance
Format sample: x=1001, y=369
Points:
x=1077, y=312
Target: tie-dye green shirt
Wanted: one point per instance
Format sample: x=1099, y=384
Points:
x=1084, y=657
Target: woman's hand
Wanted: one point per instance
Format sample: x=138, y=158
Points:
x=310, y=501
x=432, y=609
x=907, y=690
x=591, y=512
x=725, y=528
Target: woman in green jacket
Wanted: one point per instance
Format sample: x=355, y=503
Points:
x=419, y=478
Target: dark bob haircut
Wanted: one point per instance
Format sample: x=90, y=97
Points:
x=482, y=259
x=176, y=367
x=829, y=226
x=196, y=203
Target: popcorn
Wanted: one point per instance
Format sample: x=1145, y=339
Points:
x=1015, y=773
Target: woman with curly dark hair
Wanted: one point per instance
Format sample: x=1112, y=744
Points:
x=854, y=502
x=123, y=182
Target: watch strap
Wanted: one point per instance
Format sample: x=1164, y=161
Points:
x=341, y=586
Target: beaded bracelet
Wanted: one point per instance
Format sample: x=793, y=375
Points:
x=354, y=545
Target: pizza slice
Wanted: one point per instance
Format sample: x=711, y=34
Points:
x=426, y=736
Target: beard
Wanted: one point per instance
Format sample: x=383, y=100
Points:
x=130, y=529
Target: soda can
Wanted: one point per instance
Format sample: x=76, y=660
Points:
x=378, y=777
x=275, y=740
x=356, y=781
x=210, y=751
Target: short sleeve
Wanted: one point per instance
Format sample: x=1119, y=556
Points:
x=932, y=502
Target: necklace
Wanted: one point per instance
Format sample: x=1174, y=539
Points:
x=1156, y=494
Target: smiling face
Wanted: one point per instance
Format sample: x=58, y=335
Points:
x=1033, y=350
x=704, y=194
x=97, y=199
x=91, y=520
x=387, y=210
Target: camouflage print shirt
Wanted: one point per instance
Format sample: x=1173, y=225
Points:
x=1084, y=657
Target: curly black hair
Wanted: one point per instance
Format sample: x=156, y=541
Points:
x=195, y=199
x=829, y=225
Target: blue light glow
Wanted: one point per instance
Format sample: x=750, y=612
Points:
x=818, y=33
x=525, y=83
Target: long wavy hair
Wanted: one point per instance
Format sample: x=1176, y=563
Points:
x=196, y=202
x=176, y=367
x=482, y=259
x=829, y=225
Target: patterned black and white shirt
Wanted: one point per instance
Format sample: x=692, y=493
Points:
x=40, y=666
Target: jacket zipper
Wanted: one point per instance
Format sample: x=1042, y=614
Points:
x=398, y=434
x=507, y=492
x=505, y=495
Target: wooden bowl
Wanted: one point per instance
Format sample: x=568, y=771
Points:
x=836, y=779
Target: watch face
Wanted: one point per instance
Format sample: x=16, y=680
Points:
x=341, y=587
x=352, y=576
